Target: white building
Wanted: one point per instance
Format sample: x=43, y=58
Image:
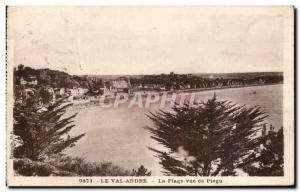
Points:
x=82, y=91
x=111, y=88
x=31, y=81
x=77, y=91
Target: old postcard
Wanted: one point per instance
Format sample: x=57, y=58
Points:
x=150, y=96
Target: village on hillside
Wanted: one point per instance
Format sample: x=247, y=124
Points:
x=89, y=88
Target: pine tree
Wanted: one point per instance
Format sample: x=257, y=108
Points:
x=41, y=127
x=207, y=140
x=243, y=139
x=141, y=172
x=269, y=161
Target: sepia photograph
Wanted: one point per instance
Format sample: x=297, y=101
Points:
x=150, y=96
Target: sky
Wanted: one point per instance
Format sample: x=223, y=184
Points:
x=147, y=40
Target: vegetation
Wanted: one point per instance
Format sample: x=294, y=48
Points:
x=209, y=139
x=41, y=128
x=63, y=165
x=41, y=135
x=270, y=161
x=215, y=138
x=82, y=167
x=59, y=79
x=56, y=79
x=178, y=81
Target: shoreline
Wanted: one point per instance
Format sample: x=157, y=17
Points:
x=89, y=104
x=224, y=87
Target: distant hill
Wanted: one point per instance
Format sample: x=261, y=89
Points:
x=239, y=75
x=203, y=75
x=55, y=78
x=58, y=79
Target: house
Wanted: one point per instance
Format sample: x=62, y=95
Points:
x=107, y=91
x=149, y=86
x=31, y=80
x=77, y=91
x=72, y=92
x=116, y=86
x=22, y=81
x=82, y=91
x=153, y=87
x=120, y=86
x=51, y=90
x=59, y=92
x=29, y=92
x=62, y=91
x=261, y=81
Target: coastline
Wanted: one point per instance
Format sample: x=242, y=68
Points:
x=224, y=87
x=116, y=122
x=88, y=103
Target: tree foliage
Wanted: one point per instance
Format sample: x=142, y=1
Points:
x=270, y=161
x=63, y=165
x=56, y=79
x=212, y=138
x=82, y=167
x=42, y=134
x=41, y=127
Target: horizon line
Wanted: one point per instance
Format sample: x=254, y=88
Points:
x=184, y=73
x=206, y=73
